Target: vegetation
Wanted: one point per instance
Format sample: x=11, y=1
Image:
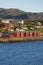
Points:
x=30, y=25
x=19, y=14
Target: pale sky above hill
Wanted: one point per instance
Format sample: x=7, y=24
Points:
x=25, y=5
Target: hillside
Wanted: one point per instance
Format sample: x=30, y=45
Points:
x=19, y=14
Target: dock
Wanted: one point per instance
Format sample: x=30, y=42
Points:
x=21, y=39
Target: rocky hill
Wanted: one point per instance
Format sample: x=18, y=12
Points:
x=19, y=14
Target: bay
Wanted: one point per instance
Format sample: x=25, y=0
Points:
x=21, y=53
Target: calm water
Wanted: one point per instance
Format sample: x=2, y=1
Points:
x=21, y=53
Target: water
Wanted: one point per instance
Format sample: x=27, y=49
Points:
x=21, y=53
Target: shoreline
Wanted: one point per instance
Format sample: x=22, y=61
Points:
x=25, y=39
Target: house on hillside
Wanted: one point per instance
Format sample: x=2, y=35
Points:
x=19, y=30
x=5, y=21
x=2, y=25
x=21, y=22
x=39, y=26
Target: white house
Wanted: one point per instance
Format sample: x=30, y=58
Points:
x=21, y=30
x=5, y=21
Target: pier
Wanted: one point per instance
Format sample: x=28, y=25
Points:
x=21, y=39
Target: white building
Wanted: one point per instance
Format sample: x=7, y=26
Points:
x=21, y=22
x=21, y=30
x=5, y=21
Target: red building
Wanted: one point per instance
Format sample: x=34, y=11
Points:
x=11, y=36
x=27, y=34
x=31, y=34
x=22, y=34
x=2, y=25
x=18, y=34
x=7, y=26
x=5, y=36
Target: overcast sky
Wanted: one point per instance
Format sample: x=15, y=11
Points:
x=25, y=5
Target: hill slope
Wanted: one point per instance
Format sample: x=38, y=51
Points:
x=19, y=14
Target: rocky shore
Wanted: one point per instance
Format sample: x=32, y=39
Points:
x=2, y=40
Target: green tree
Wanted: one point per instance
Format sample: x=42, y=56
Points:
x=0, y=20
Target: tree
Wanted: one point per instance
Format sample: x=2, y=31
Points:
x=0, y=20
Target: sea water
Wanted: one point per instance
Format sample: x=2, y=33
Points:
x=21, y=53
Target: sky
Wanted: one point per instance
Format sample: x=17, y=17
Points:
x=25, y=5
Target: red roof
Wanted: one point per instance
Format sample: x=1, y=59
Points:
x=7, y=26
x=11, y=36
